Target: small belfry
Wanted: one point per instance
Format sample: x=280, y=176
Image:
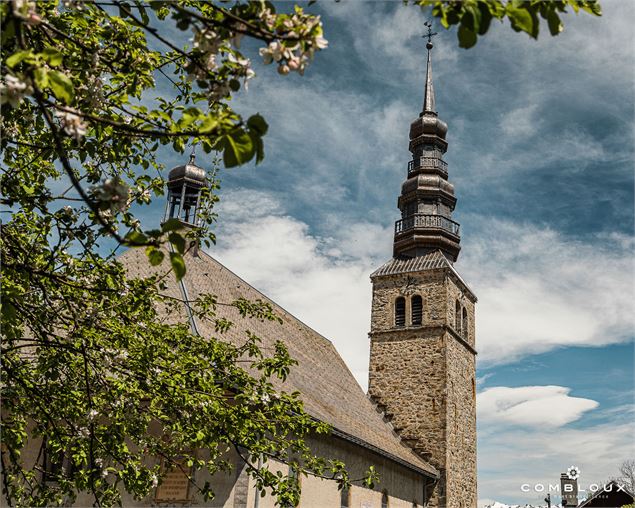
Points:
x=185, y=187
x=422, y=339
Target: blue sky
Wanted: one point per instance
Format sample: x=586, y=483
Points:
x=541, y=155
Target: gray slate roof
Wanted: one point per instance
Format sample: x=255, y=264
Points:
x=328, y=389
x=432, y=260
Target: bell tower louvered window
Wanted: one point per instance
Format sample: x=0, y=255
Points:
x=417, y=310
x=400, y=311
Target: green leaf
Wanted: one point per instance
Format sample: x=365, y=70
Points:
x=257, y=124
x=41, y=78
x=208, y=124
x=173, y=224
x=593, y=7
x=18, y=57
x=472, y=18
x=61, y=86
x=178, y=265
x=155, y=256
x=486, y=18
x=178, y=241
x=237, y=148
x=52, y=56
x=136, y=238
x=8, y=32
x=8, y=311
x=554, y=22
x=142, y=11
x=467, y=38
x=521, y=19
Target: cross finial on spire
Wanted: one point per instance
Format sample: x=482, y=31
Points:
x=429, y=35
x=193, y=153
x=428, y=98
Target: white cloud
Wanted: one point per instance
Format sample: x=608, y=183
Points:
x=539, y=290
x=322, y=281
x=534, y=406
x=520, y=122
x=348, y=141
x=391, y=37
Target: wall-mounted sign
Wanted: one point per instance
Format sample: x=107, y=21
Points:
x=175, y=486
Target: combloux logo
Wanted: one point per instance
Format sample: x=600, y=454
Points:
x=573, y=472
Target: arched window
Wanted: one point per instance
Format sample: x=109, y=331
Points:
x=417, y=309
x=464, y=330
x=457, y=317
x=384, y=499
x=400, y=311
x=345, y=497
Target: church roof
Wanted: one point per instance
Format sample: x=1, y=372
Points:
x=328, y=389
x=404, y=264
x=430, y=261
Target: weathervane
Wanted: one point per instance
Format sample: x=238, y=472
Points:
x=429, y=35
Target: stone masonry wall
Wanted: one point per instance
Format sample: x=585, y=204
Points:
x=461, y=419
x=461, y=427
x=424, y=378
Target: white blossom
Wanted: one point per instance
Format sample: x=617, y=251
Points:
x=268, y=17
x=94, y=88
x=207, y=40
x=115, y=193
x=273, y=52
x=73, y=4
x=83, y=432
x=13, y=90
x=320, y=42
x=155, y=481
x=72, y=124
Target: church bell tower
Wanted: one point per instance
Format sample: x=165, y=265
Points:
x=422, y=338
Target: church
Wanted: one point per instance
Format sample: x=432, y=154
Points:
x=417, y=424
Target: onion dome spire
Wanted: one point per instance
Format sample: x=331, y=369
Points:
x=427, y=197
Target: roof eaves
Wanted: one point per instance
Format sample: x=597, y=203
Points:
x=430, y=473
